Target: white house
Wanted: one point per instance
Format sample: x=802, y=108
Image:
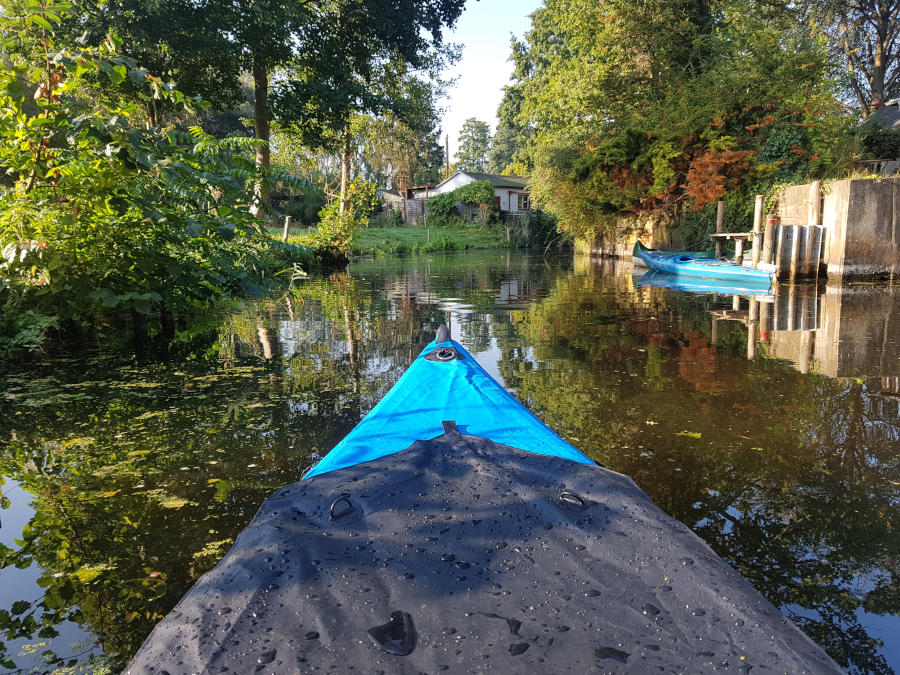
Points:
x=510, y=192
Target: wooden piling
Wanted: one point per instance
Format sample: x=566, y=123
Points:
x=757, y=229
x=287, y=227
x=720, y=224
x=795, y=252
x=802, y=243
x=768, y=252
x=784, y=242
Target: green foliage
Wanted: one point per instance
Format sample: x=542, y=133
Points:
x=641, y=110
x=477, y=194
x=879, y=142
x=337, y=229
x=102, y=219
x=474, y=142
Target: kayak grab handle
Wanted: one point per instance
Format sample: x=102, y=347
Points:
x=445, y=353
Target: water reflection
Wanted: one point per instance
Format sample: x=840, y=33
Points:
x=139, y=476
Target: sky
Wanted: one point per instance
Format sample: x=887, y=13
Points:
x=484, y=31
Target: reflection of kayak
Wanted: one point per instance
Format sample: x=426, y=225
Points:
x=453, y=531
x=696, y=284
x=681, y=264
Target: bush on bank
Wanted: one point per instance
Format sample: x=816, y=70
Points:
x=102, y=220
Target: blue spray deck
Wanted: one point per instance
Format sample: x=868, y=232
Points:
x=431, y=391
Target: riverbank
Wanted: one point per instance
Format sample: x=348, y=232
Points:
x=379, y=241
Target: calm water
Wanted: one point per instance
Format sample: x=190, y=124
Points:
x=123, y=480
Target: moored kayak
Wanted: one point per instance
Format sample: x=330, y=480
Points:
x=684, y=265
x=487, y=542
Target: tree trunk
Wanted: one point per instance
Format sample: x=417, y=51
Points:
x=261, y=127
x=152, y=114
x=345, y=169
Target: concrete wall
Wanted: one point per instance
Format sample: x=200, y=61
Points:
x=793, y=206
x=862, y=225
x=863, y=218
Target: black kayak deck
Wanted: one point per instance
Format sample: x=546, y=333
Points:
x=489, y=558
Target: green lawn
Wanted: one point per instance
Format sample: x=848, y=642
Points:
x=414, y=239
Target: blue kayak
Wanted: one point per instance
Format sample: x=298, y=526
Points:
x=697, y=285
x=685, y=265
x=453, y=532
x=444, y=383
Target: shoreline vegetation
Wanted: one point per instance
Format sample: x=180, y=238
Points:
x=132, y=203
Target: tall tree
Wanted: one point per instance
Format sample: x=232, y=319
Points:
x=474, y=142
x=363, y=56
x=642, y=110
x=864, y=36
x=512, y=132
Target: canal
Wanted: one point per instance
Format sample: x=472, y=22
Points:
x=124, y=479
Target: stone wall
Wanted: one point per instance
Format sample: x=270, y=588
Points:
x=793, y=206
x=862, y=221
x=862, y=225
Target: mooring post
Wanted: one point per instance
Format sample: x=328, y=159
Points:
x=720, y=223
x=757, y=229
x=287, y=227
x=768, y=252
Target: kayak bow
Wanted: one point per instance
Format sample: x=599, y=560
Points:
x=444, y=383
x=424, y=544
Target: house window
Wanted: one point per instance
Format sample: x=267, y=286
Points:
x=524, y=205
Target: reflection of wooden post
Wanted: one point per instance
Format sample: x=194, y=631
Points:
x=714, y=338
x=806, y=343
x=287, y=227
x=757, y=229
x=752, y=329
x=720, y=223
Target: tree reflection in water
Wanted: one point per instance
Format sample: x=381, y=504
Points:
x=141, y=474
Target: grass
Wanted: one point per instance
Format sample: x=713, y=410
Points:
x=400, y=241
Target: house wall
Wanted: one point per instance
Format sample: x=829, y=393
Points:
x=509, y=200
x=456, y=181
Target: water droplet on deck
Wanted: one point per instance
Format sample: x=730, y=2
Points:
x=397, y=636
x=611, y=653
x=518, y=648
x=266, y=657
